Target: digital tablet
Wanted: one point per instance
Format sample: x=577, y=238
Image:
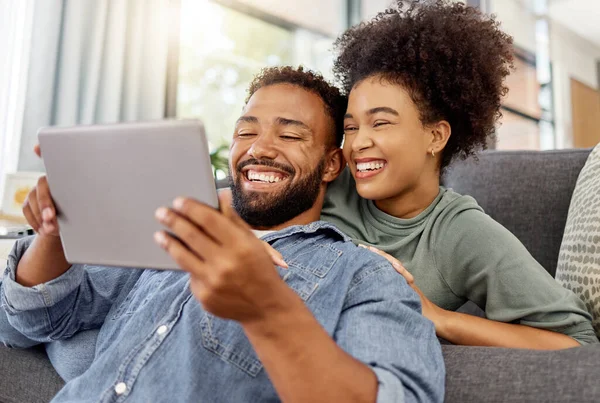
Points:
x=108, y=180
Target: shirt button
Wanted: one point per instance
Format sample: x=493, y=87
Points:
x=162, y=330
x=120, y=388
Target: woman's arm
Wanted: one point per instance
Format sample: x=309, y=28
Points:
x=463, y=329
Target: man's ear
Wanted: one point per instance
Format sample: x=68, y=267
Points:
x=441, y=132
x=334, y=164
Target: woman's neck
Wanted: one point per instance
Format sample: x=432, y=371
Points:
x=411, y=202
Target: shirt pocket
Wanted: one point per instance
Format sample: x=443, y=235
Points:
x=227, y=339
x=310, y=256
x=144, y=289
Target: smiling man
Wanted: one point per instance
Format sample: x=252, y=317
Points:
x=338, y=324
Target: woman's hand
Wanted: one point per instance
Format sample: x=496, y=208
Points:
x=276, y=257
x=430, y=310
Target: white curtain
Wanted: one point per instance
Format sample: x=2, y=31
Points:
x=15, y=39
x=95, y=61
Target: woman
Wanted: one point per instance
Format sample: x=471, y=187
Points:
x=425, y=82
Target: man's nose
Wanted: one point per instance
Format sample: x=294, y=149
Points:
x=263, y=147
x=362, y=140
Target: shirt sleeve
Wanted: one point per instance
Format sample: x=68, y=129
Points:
x=382, y=326
x=484, y=262
x=77, y=300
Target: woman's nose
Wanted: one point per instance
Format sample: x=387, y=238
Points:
x=361, y=141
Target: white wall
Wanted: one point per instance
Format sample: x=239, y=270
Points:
x=324, y=16
x=572, y=57
x=370, y=8
x=516, y=21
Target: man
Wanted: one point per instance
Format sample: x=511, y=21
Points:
x=338, y=324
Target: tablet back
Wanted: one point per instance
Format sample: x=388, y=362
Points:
x=108, y=180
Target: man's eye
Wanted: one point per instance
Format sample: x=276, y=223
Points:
x=350, y=129
x=246, y=134
x=378, y=124
x=285, y=137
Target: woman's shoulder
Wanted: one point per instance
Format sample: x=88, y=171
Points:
x=341, y=195
x=461, y=216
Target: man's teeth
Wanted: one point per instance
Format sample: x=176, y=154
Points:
x=254, y=176
x=370, y=166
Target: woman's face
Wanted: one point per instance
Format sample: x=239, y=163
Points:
x=386, y=145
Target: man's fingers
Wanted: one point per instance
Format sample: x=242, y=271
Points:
x=225, y=196
x=192, y=236
x=38, y=150
x=395, y=263
x=45, y=203
x=32, y=202
x=275, y=255
x=211, y=221
x=184, y=258
x=31, y=219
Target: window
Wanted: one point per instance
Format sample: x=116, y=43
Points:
x=222, y=48
x=15, y=37
x=526, y=122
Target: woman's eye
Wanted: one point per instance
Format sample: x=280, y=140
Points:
x=350, y=129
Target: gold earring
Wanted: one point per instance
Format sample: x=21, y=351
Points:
x=432, y=153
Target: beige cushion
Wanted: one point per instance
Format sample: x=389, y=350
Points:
x=579, y=260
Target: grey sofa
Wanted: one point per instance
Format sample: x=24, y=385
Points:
x=529, y=193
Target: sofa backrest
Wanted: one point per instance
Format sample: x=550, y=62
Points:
x=526, y=191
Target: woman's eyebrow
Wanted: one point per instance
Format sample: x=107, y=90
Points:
x=384, y=109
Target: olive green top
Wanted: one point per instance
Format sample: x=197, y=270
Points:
x=457, y=253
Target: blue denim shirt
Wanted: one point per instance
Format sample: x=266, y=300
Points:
x=157, y=344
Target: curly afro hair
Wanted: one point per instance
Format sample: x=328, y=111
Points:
x=334, y=101
x=450, y=58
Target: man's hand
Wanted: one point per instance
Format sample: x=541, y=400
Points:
x=39, y=209
x=232, y=274
x=45, y=259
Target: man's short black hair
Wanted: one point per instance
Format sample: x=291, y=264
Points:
x=311, y=81
x=450, y=58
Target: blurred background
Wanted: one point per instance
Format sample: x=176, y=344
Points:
x=69, y=62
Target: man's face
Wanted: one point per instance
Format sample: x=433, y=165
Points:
x=278, y=154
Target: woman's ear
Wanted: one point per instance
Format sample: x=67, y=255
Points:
x=441, y=132
x=334, y=165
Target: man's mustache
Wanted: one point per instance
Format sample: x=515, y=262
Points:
x=268, y=163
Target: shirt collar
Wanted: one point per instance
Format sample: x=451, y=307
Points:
x=313, y=227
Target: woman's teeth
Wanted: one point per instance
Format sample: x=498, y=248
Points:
x=256, y=177
x=370, y=166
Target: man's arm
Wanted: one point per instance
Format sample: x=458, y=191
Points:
x=230, y=271
x=381, y=325
x=43, y=261
x=76, y=300
x=303, y=361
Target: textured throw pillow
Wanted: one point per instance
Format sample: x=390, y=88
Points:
x=579, y=260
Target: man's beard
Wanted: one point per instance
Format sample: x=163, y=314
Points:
x=266, y=210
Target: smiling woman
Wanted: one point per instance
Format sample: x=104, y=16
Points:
x=425, y=83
